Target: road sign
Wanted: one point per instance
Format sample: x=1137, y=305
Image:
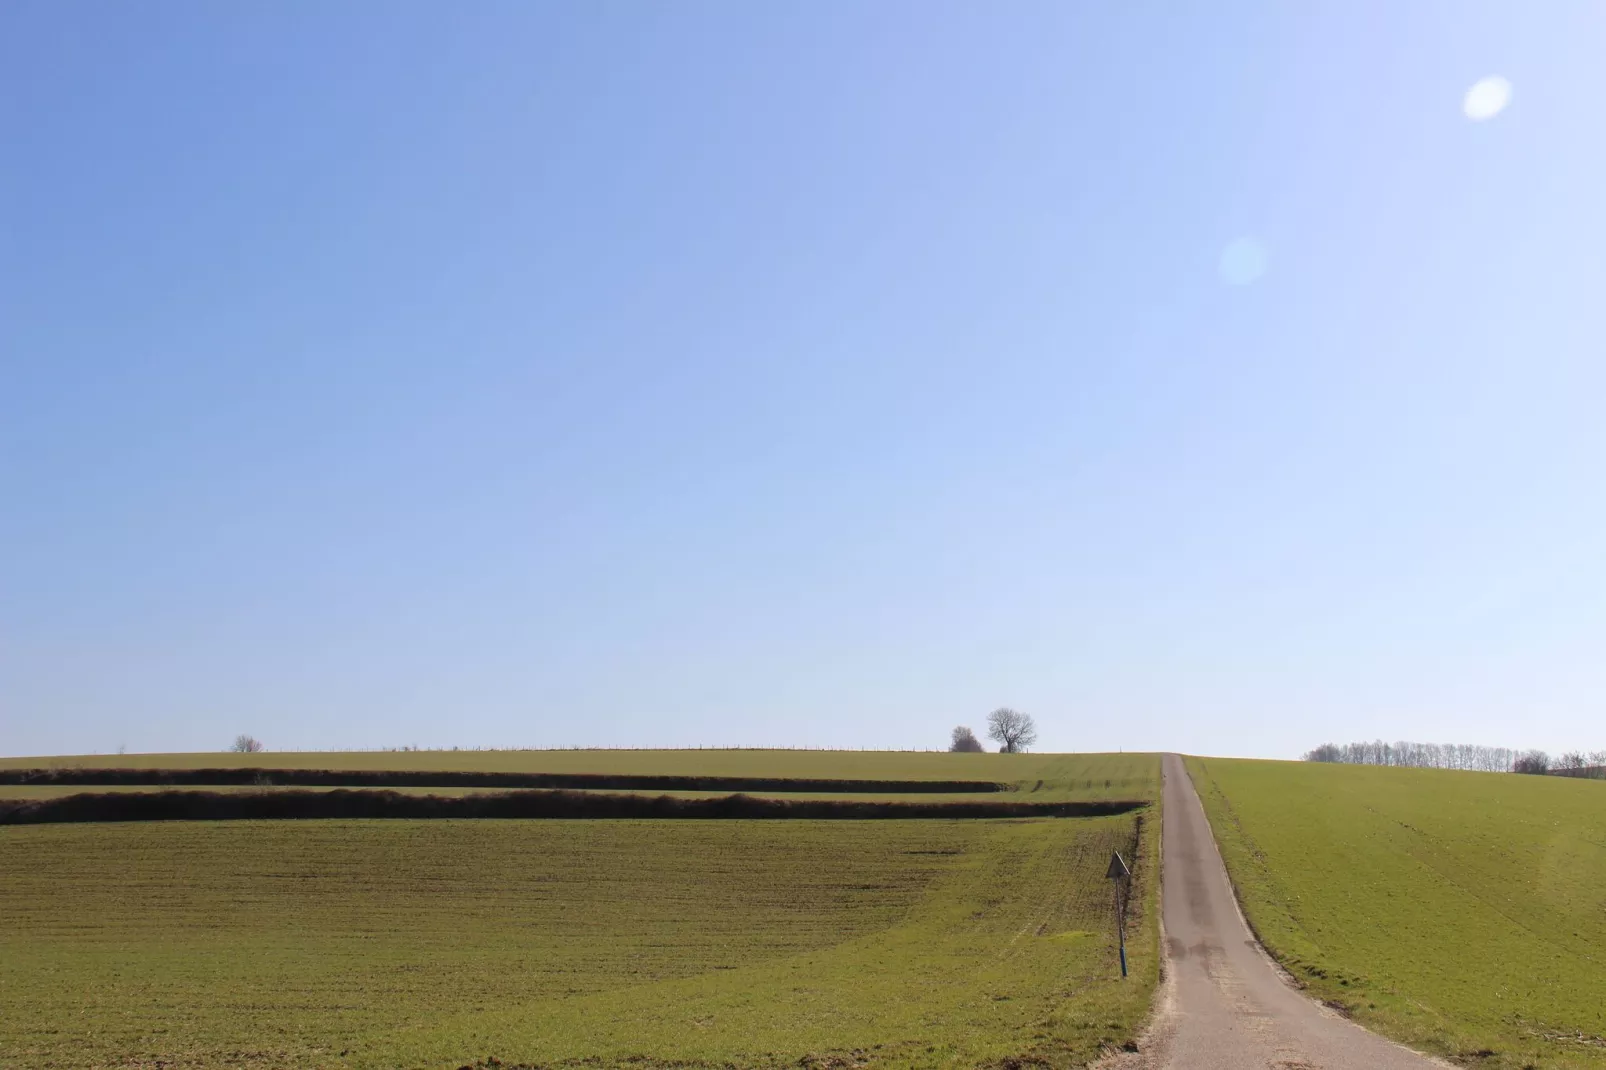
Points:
x=1121, y=874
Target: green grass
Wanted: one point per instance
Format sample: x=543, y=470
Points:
x=442, y=943
x=866, y=765
x=1046, y=777
x=1461, y=913
x=1078, y=792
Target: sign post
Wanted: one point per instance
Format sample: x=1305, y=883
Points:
x=1121, y=874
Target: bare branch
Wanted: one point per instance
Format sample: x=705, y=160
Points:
x=1012, y=730
x=244, y=744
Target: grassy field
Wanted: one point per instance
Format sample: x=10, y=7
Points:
x=1080, y=791
x=1461, y=913
x=1064, y=775
x=1047, y=794
x=867, y=765
x=445, y=943
x=1042, y=777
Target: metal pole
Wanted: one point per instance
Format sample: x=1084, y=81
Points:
x=1120, y=915
x=1121, y=874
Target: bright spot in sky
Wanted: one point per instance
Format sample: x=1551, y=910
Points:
x=1487, y=98
x=1242, y=262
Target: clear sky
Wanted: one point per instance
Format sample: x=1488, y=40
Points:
x=1187, y=376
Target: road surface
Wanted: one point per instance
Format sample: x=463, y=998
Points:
x=1224, y=1005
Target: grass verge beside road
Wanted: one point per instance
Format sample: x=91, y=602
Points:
x=1461, y=913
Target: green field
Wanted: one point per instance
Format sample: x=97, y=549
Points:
x=865, y=765
x=1082, y=791
x=1049, y=777
x=1461, y=913
x=696, y=943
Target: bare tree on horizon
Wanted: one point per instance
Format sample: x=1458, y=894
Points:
x=1012, y=730
x=244, y=744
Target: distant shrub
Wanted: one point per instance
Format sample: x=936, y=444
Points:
x=1535, y=762
x=244, y=744
x=965, y=742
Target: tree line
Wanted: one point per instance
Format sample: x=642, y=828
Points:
x=1464, y=756
x=1013, y=731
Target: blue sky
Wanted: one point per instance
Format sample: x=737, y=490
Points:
x=800, y=374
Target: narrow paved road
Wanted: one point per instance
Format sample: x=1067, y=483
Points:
x=1224, y=1005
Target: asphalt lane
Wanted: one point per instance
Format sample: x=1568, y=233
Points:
x=1224, y=1005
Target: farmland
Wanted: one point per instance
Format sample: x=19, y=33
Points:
x=447, y=942
x=1091, y=792
x=1461, y=913
x=1050, y=777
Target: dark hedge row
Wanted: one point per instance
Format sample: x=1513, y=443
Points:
x=226, y=806
x=371, y=778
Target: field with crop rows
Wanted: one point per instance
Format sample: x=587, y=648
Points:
x=1047, y=777
x=1091, y=792
x=1462, y=913
x=443, y=943
x=435, y=944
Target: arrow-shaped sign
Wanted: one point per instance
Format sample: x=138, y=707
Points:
x=1120, y=872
